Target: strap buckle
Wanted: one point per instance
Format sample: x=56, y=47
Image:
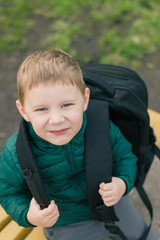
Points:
x=114, y=229
x=27, y=173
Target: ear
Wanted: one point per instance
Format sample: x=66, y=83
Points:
x=86, y=98
x=21, y=110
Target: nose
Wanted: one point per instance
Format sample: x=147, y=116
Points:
x=56, y=117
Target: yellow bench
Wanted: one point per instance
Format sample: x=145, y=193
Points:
x=155, y=124
x=10, y=230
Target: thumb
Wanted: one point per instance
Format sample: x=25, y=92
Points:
x=101, y=185
x=34, y=204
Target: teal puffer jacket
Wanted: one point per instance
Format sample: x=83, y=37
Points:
x=63, y=171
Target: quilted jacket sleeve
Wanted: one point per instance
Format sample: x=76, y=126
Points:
x=14, y=196
x=124, y=161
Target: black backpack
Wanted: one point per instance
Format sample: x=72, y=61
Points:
x=119, y=94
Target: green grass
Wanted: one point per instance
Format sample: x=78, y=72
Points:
x=110, y=31
x=14, y=24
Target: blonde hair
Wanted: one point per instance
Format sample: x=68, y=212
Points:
x=52, y=65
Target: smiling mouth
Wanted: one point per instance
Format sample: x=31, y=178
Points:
x=60, y=132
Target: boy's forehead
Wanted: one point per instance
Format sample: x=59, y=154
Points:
x=53, y=83
x=46, y=84
x=61, y=89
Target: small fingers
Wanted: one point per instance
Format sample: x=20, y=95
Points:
x=105, y=194
x=51, y=209
x=106, y=186
x=50, y=214
x=109, y=202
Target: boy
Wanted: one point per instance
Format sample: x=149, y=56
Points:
x=53, y=98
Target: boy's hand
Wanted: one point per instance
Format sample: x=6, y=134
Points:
x=43, y=218
x=113, y=191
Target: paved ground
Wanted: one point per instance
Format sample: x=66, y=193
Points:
x=9, y=118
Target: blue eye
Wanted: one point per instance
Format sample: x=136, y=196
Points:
x=66, y=105
x=41, y=109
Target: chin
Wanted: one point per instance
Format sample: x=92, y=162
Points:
x=60, y=142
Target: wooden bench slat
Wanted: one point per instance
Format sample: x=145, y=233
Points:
x=14, y=232
x=36, y=234
x=155, y=124
x=4, y=218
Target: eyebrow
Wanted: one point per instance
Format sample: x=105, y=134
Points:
x=37, y=106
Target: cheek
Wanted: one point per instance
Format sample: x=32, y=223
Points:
x=38, y=125
x=77, y=120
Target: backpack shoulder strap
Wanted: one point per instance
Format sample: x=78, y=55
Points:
x=144, y=197
x=29, y=167
x=98, y=157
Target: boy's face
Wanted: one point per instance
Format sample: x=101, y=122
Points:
x=55, y=111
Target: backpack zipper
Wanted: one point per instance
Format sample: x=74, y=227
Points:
x=132, y=93
x=117, y=73
x=121, y=74
x=112, y=70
